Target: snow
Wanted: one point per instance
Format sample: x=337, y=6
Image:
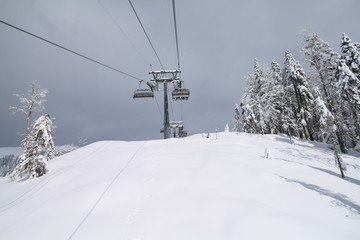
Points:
x=191, y=188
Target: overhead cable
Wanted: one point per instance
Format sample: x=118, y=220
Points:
x=157, y=103
x=142, y=26
x=177, y=47
x=121, y=30
x=172, y=110
x=71, y=51
x=176, y=35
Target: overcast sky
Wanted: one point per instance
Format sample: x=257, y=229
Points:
x=218, y=41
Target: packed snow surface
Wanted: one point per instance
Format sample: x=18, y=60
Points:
x=237, y=186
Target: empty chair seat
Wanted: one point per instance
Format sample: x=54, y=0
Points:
x=143, y=93
x=180, y=94
x=182, y=133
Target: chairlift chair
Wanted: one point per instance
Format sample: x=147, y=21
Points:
x=143, y=93
x=182, y=132
x=180, y=94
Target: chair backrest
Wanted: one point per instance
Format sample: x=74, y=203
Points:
x=143, y=93
x=180, y=94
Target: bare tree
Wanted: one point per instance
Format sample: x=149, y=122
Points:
x=31, y=102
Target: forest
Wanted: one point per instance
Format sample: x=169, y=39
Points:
x=321, y=103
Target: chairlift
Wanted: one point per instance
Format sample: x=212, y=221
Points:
x=182, y=132
x=143, y=93
x=177, y=83
x=180, y=94
x=176, y=124
x=153, y=85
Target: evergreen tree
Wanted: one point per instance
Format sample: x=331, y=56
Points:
x=257, y=103
x=351, y=54
x=349, y=98
x=272, y=103
x=250, y=124
x=250, y=105
x=323, y=63
x=295, y=76
x=290, y=117
x=323, y=105
x=322, y=60
x=263, y=102
x=324, y=120
x=267, y=99
x=39, y=150
x=238, y=125
x=278, y=97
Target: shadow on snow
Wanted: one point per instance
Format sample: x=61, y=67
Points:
x=340, y=199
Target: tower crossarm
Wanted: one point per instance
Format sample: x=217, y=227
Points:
x=165, y=75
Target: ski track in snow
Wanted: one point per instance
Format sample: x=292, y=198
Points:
x=122, y=169
x=46, y=179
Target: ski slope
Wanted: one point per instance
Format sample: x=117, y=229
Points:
x=191, y=188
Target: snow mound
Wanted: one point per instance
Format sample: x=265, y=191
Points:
x=191, y=188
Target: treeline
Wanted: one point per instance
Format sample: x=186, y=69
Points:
x=322, y=104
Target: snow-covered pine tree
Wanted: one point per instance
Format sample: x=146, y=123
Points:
x=351, y=54
x=40, y=148
x=322, y=60
x=285, y=102
x=250, y=124
x=323, y=63
x=324, y=120
x=256, y=100
x=290, y=110
x=351, y=83
x=349, y=97
x=262, y=104
x=271, y=101
x=238, y=123
x=295, y=76
x=276, y=73
x=30, y=103
x=266, y=99
x=250, y=105
x=278, y=98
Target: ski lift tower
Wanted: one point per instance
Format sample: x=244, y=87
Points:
x=179, y=93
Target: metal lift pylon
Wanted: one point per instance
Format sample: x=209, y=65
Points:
x=166, y=113
x=165, y=77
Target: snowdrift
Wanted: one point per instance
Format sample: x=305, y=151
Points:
x=237, y=186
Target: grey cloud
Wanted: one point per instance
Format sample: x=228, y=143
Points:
x=218, y=41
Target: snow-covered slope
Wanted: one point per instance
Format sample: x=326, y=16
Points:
x=192, y=188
